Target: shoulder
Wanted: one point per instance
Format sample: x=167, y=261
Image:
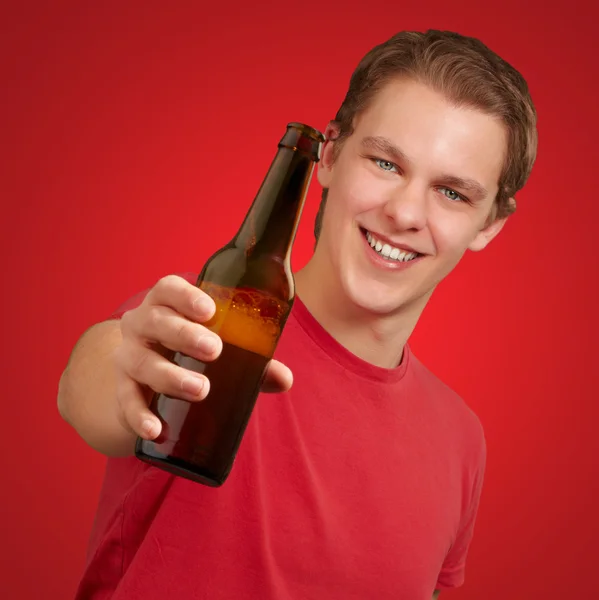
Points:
x=449, y=408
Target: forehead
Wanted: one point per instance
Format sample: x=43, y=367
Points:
x=433, y=133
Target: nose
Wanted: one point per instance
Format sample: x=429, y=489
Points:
x=407, y=207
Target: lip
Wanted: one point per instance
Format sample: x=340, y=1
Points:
x=385, y=263
x=386, y=240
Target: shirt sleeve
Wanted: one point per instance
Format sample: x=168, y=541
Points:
x=138, y=298
x=452, y=573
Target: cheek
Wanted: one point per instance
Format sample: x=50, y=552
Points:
x=357, y=193
x=451, y=233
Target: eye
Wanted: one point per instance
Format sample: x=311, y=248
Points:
x=451, y=195
x=385, y=165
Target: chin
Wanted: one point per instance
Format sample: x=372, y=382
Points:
x=376, y=298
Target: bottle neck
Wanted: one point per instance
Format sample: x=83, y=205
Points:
x=270, y=225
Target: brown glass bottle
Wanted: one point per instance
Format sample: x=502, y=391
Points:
x=251, y=282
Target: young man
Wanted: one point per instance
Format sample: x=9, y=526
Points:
x=362, y=480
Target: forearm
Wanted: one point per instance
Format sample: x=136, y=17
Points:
x=86, y=393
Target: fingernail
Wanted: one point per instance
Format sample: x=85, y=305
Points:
x=208, y=343
x=202, y=304
x=192, y=385
x=148, y=428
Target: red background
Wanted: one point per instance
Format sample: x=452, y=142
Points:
x=134, y=135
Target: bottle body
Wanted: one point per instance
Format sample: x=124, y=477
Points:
x=200, y=440
x=251, y=283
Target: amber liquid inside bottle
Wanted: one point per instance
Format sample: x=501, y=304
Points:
x=252, y=285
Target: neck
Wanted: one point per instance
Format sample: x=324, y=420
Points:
x=375, y=338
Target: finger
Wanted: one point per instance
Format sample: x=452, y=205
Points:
x=183, y=297
x=173, y=331
x=134, y=414
x=278, y=378
x=150, y=368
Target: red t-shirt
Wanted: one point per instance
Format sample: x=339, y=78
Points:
x=359, y=483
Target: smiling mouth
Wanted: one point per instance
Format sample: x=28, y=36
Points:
x=387, y=251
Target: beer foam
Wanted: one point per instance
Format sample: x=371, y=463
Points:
x=248, y=319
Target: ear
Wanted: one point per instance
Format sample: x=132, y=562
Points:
x=325, y=164
x=491, y=230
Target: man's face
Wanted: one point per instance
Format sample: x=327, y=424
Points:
x=417, y=180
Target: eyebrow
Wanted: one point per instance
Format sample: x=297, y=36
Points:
x=382, y=144
x=469, y=185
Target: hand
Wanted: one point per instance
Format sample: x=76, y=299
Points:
x=169, y=319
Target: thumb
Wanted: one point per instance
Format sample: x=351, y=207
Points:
x=278, y=378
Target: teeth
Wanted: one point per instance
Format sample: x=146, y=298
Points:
x=389, y=251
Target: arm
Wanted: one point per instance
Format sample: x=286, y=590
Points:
x=105, y=389
x=87, y=392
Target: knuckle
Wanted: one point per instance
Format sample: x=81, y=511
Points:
x=171, y=279
x=167, y=381
x=182, y=332
x=154, y=319
x=169, y=282
x=186, y=336
x=162, y=282
x=138, y=365
x=159, y=287
x=175, y=377
x=126, y=318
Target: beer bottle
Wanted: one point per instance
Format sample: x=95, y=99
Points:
x=252, y=285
